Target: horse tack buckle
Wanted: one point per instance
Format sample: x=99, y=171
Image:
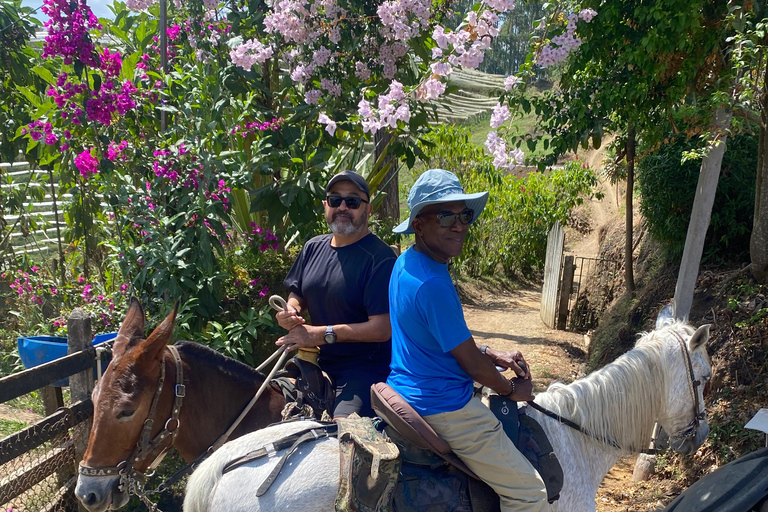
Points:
x=181, y=391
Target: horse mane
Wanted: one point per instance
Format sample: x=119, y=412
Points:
x=619, y=402
x=197, y=353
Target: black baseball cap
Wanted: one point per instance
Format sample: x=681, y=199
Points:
x=352, y=176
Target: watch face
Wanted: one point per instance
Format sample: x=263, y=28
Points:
x=330, y=338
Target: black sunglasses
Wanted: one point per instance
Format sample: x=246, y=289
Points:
x=353, y=202
x=447, y=219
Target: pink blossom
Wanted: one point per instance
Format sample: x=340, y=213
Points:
x=510, y=82
x=500, y=115
x=249, y=53
x=330, y=124
x=86, y=163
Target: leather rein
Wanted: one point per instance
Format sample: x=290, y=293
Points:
x=687, y=432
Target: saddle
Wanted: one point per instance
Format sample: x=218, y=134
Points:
x=313, y=387
x=419, y=443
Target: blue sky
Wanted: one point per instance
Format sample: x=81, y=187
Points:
x=99, y=8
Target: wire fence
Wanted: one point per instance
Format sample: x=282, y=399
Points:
x=39, y=464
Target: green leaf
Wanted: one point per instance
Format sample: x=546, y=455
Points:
x=44, y=73
x=31, y=97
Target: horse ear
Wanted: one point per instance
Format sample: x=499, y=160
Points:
x=131, y=331
x=666, y=316
x=159, y=338
x=699, y=338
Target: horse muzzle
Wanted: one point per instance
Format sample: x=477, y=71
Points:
x=689, y=444
x=100, y=493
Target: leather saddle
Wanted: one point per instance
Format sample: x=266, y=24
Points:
x=417, y=440
x=313, y=386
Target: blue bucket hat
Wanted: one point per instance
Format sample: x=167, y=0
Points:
x=439, y=186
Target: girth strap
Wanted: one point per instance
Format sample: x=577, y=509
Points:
x=292, y=442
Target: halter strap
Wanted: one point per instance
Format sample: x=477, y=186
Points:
x=145, y=446
x=689, y=430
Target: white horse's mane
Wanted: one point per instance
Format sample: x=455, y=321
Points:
x=638, y=383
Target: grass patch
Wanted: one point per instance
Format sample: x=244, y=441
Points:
x=8, y=427
x=32, y=402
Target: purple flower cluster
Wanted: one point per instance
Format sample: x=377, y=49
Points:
x=265, y=238
x=115, y=150
x=22, y=285
x=86, y=163
x=68, y=31
x=100, y=105
x=220, y=194
x=256, y=126
x=39, y=130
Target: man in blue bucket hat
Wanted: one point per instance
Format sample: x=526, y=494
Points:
x=434, y=357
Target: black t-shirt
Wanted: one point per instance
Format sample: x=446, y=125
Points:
x=345, y=285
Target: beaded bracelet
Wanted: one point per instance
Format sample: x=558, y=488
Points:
x=509, y=395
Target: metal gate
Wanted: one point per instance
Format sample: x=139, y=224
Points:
x=593, y=288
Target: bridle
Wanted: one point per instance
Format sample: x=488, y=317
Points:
x=132, y=480
x=687, y=432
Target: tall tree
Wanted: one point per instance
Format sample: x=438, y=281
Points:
x=636, y=59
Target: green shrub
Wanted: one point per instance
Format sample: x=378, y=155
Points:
x=668, y=188
x=511, y=235
x=246, y=329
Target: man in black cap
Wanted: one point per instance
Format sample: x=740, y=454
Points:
x=341, y=279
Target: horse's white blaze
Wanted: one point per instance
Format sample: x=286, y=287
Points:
x=619, y=402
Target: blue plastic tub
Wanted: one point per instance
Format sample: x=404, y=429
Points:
x=37, y=350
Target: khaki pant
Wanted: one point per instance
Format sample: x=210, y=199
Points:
x=477, y=437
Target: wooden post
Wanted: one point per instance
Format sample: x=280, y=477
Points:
x=390, y=207
x=700, y=216
x=52, y=399
x=80, y=337
x=565, y=292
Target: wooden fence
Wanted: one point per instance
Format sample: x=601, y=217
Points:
x=38, y=465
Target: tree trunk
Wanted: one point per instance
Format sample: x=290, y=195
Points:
x=758, y=242
x=628, y=265
x=390, y=207
x=700, y=215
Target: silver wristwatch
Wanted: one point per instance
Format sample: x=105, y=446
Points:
x=330, y=336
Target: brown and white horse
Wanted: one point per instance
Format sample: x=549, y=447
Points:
x=154, y=396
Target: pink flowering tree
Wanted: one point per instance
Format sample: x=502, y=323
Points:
x=254, y=111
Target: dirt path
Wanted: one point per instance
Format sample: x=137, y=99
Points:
x=511, y=320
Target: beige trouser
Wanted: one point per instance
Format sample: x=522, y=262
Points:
x=477, y=437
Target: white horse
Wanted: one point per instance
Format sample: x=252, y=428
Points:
x=661, y=379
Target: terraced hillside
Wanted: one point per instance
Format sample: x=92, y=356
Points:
x=477, y=95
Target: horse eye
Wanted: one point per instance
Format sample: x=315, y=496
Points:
x=125, y=414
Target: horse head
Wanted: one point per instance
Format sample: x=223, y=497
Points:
x=124, y=401
x=684, y=414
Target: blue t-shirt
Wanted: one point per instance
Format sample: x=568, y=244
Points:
x=427, y=323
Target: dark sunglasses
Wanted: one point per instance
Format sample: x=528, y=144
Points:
x=353, y=202
x=447, y=219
